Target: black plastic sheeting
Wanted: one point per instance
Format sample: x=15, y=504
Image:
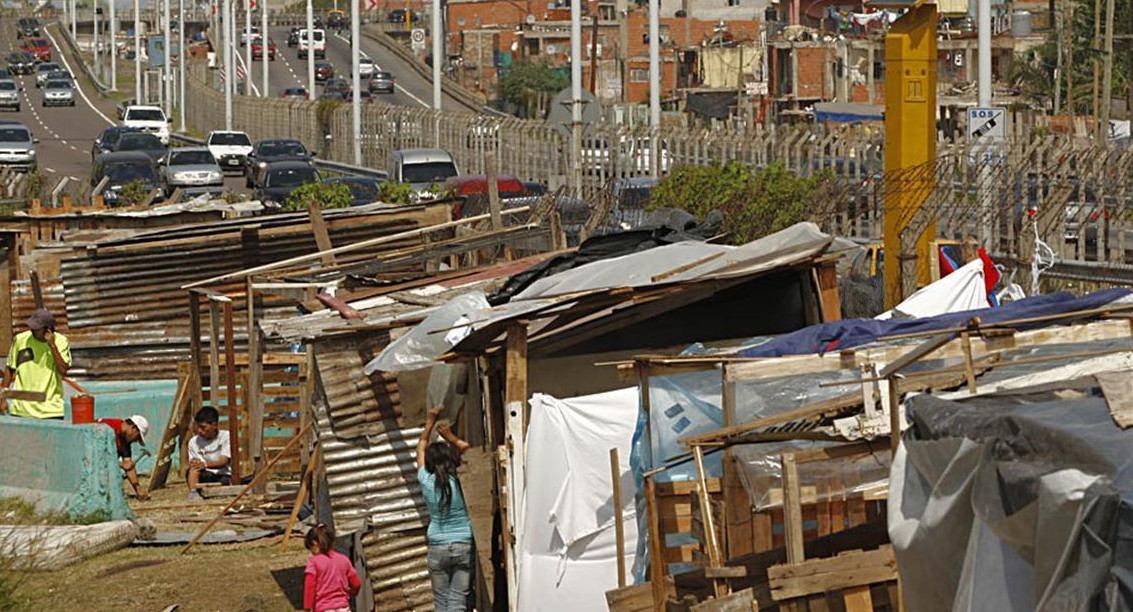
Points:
x=664, y=226
x=1013, y=503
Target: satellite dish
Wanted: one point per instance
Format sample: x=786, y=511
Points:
x=530, y=19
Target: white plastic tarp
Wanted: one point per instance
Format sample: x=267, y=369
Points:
x=961, y=290
x=567, y=547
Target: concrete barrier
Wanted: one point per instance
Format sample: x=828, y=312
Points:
x=62, y=467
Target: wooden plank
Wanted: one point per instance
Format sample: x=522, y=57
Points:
x=858, y=599
x=851, y=569
x=792, y=509
x=741, y=601
x=319, y=229
x=619, y=520
x=656, y=568
x=230, y=379
x=214, y=353
x=176, y=428
x=255, y=400
x=684, y=487
x=637, y=597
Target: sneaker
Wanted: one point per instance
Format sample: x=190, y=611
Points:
x=195, y=496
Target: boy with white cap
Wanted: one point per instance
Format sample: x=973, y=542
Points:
x=126, y=432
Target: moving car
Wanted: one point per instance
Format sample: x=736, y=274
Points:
x=323, y=71
x=336, y=18
x=425, y=170
x=363, y=189
x=366, y=67
x=21, y=62
x=338, y=85
x=120, y=169
x=57, y=92
x=190, y=167
x=17, y=147
x=295, y=93
x=315, y=43
x=143, y=142
x=270, y=151
x=108, y=139
x=10, y=94
x=229, y=149
x=381, y=81
x=293, y=37
x=247, y=35
x=42, y=70
x=281, y=178
x=258, y=49
x=148, y=118
x=27, y=26
x=38, y=46
x=401, y=15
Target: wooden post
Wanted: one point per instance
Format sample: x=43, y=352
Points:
x=36, y=290
x=214, y=354
x=319, y=229
x=495, y=209
x=6, y=331
x=619, y=527
x=594, y=54
x=894, y=414
x=515, y=413
x=709, y=519
x=230, y=375
x=308, y=476
x=792, y=509
x=1107, y=66
x=656, y=546
x=254, y=392
x=969, y=368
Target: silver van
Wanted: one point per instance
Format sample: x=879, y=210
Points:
x=426, y=170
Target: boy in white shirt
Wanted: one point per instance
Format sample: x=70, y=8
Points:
x=210, y=453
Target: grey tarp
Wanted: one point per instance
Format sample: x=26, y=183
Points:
x=1014, y=502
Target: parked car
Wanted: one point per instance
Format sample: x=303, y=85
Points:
x=42, y=70
x=295, y=93
x=38, y=47
x=21, y=62
x=323, y=71
x=108, y=139
x=57, y=92
x=120, y=169
x=229, y=149
x=17, y=147
x=258, y=49
x=269, y=151
x=363, y=189
x=425, y=170
x=140, y=141
x=10, y=94
x=366, y=67
x=190, y=167
x=150, y=119
x=381, y=81
x=281, y=178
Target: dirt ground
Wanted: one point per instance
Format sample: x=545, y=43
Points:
x=247, y=577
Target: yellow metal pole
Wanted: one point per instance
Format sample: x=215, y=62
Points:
x=910, y=138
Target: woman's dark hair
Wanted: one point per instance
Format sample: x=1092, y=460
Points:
x=441, y=463
x=321, y=534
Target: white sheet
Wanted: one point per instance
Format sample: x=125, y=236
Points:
x=962, y=290
x=568, y=557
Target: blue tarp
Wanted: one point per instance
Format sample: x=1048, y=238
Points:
x=846, y=112
x=851, y=333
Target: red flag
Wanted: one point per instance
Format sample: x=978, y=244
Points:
x=251, y=4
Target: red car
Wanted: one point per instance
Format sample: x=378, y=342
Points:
x=258, y=49
x=323, y=71
x=38, y=47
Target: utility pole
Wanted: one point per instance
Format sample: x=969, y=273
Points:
x=75, y=18
x=229, y=73
x=113, y=47
x=94, y=13
x=248, y=45
x=594, y=54
x=356, y=79
x=311, y=51
x=181, y=63
x=265, y=45
x=654, y=82
x=576, y=96
x=1059, y=27
x=984, y=48
x=1069, y=26
x=1097, y=62
x=138, y=54
x=167, y=72
x=1107, y=69
x=438, y=52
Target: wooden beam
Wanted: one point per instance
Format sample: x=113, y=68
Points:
x=792, y=509
x=656, y=546
x=36, y=290
x=319, y=229
x=6, y=330
x=230, y=375
x=254, y=392
x=304, y=484
x=619, y=520
x=847, y=570
x=515, y=415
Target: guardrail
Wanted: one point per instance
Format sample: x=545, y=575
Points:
x=74, y=48
x=321, y=164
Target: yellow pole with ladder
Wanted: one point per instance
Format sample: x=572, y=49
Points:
x=910, y=136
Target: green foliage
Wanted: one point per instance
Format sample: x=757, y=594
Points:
x=328, y=195
x=134, y=192
x=395, y=193
x=754, y=201
x=35, y=184
x=529, y=85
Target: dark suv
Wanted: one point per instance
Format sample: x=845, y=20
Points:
x=21, y=62
x=270, y=151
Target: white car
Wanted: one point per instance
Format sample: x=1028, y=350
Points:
x=148, y=119
x=366, y=67
x=230, y=149
x=246, y=36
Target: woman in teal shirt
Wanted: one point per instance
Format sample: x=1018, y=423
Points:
x=450, y=531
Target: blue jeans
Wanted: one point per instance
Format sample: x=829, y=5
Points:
x=450, y=568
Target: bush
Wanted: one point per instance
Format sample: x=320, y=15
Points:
x=396, y=193
x=134, y=192
x=754, y=201
x=328, y=195
x=528, y=85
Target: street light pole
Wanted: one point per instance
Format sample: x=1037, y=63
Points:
x=182, y=60
x=229, y=73
x=247, y=38
x=94, y=29
x=265, y=43
x=113, y=47
x=311, y=50
x=167, y=73
x=137, y=53
x=576, y=95
x=356, y=81
x=438, y=51
x=655, y=82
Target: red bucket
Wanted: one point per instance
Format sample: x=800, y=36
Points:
x=82, y=409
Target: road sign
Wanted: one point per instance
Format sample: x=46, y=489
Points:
x=251, y=5
x=417, y=38
x=373, y=5
x=987, y=123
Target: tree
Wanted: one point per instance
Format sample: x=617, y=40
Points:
x=754, y=201
x=328, y=195
x=528, y=85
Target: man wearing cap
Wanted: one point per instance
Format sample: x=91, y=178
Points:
x=126, y=432
x=38, y=361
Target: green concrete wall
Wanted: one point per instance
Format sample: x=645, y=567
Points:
x=58, y=466
x=117, y=399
